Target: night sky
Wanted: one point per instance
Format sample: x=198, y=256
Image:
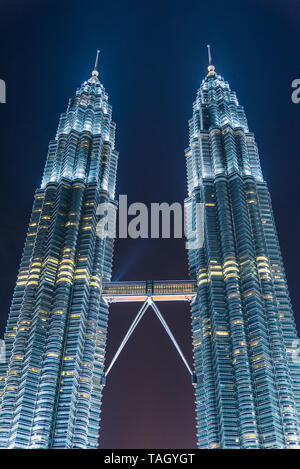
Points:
x=153, y=58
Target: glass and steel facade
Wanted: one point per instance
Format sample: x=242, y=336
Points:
x=246, y=352
x=55, y=337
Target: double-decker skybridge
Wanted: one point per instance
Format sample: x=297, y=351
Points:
x=149, y=292
x=158, y=290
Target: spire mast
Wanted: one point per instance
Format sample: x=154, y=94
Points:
x=211, y=68
x=96, y=61
x=209, y=55
x=95, y=72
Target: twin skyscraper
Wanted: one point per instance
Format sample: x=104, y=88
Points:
x=245, y=346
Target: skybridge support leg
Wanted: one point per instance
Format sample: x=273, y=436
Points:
x=129, y=332
x=165, y=325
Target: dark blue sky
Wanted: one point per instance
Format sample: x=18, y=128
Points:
x=153, y=57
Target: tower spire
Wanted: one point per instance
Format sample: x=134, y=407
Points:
x=95, y=72
x=209, y=54
x=211, y=68
x=96, y=61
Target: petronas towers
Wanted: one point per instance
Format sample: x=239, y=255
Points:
x=246, y=352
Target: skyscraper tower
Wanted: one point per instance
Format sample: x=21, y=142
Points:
x=246, y=352
x=56, y=331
